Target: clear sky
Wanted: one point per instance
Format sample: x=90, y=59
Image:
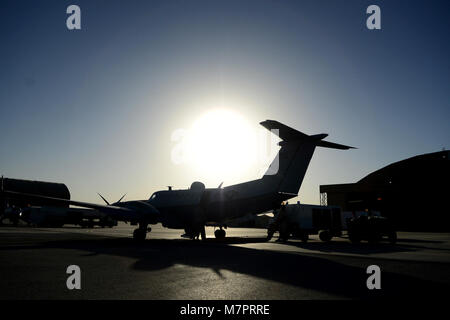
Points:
x=96, y=108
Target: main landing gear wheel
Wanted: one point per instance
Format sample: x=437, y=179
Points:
x=220, y=233
x=139, y=235
x=325, y=235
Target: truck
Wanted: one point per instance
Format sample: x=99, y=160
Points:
x=301, y=220
x=370, y=226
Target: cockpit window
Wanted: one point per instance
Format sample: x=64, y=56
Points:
x=153, y=196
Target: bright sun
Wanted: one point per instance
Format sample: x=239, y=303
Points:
x=221, y=144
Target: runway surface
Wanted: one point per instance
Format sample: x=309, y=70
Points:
x=33, y=264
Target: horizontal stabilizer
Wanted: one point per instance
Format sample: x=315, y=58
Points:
x=288, y=134
x=333, y=145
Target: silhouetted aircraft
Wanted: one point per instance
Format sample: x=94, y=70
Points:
x=194, y=208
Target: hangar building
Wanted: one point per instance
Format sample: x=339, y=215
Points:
x=414, y=193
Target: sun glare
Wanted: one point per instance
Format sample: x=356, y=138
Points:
x=221, y=144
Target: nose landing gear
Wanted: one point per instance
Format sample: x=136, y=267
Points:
x=140, y=233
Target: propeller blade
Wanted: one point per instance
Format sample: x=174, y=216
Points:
x=121, y=198
x=103, y=198
x=220, y=185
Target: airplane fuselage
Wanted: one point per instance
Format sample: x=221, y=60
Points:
x=192, y=207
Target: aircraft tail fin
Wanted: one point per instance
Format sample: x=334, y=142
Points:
x=286, y=172
x=283, y=131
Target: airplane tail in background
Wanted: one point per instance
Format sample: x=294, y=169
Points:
x=289, y=167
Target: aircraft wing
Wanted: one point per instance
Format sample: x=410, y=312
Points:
x=115, y=212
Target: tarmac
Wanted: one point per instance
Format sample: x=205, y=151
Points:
x=33, y=264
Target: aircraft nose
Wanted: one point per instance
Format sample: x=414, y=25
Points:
x=152, y=213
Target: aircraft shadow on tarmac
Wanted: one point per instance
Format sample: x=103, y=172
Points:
x=342, y=276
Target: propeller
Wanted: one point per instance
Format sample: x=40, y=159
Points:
x=121, y=198
x=106, y=201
